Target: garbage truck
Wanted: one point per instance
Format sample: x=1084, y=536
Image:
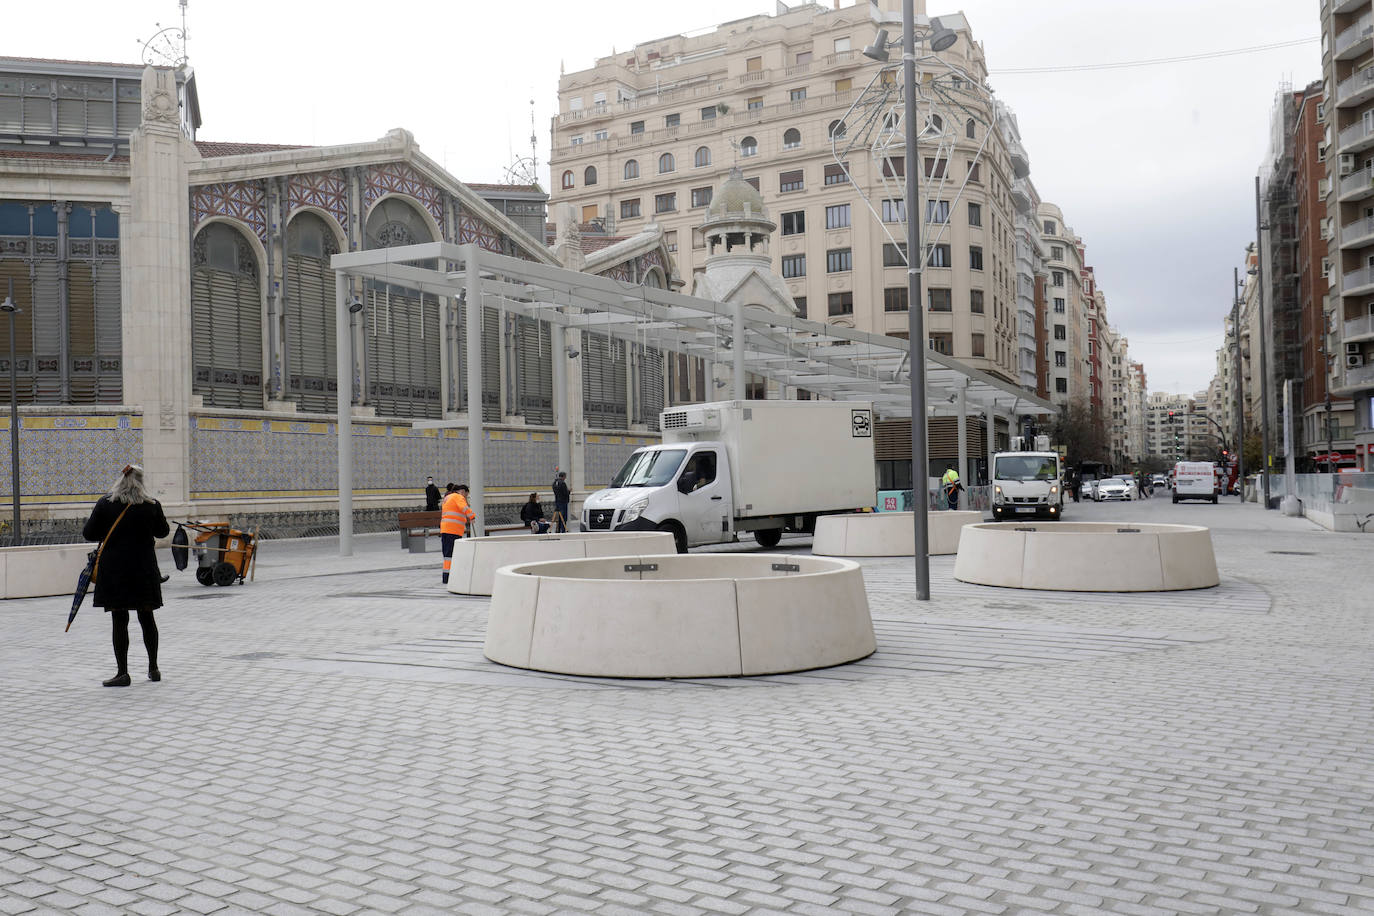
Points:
x=731, y=467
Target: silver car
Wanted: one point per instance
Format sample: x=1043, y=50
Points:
x=1113, y=488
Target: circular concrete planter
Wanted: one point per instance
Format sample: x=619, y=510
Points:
x=705, y=615
x=888, y=534
x=476, y=560
x=1087, y=556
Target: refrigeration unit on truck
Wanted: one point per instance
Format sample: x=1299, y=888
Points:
x=1027, y=482
x=742, y=466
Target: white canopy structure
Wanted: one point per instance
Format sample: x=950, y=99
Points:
x=828, y=361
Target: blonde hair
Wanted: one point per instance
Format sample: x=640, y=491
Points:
x=129, y=487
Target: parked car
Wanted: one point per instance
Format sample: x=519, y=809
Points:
x=1114, y=488
x=1090, y=488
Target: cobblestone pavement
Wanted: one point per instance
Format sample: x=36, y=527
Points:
x=328, y=739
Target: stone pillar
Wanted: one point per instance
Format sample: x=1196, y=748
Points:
x=156, y=291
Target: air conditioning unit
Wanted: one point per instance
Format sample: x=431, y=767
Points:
x=1353, y=360
x=1347, y=163
x=1352, y=349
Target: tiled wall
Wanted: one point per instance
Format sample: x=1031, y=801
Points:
x=69, y=458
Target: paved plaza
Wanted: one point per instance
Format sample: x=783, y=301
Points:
x=329, y=739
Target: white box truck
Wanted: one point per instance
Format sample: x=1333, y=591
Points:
x=734, y=466
x=1027, y=481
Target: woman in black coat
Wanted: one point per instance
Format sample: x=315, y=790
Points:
x=127, y=578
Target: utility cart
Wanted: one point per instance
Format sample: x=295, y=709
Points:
x=223, y=554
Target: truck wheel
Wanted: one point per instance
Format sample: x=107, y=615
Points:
x=678, y=533
x=1214, y=499
x=768, y=537
x=1175, y=499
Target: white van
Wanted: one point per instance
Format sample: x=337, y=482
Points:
x=1195, y=480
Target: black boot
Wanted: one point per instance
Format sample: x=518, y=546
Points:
x=154, y=674
x=121, y=679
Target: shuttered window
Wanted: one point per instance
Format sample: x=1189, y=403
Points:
x=651, y=393
x=402, y=340
x=309, y=323
x=226, y=320
x=534, y=371
x=603, y=382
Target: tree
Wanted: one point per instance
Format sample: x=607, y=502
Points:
x=1080, y=433
x=1253, y=454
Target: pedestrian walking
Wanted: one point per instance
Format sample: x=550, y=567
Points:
x=532, y=514
x=453, y=521
x=561, y=497
x=431, y=495
x=128, y=520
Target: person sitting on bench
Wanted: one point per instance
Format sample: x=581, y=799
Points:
x=532, y=514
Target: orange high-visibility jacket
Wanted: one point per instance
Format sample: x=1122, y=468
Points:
x=456, y=515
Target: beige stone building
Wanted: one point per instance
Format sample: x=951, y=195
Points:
x=1066, y=312
x=647, y=134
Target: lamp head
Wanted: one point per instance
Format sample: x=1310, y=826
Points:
x=942, y=39
x=355, y=306
x=878, y=50
x=573, y=352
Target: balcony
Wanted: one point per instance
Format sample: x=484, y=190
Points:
x=1020, y=162
x=1357, y=40
x=1355, y=379
x=753, y=77
x=1355, y=89
x=1021, y=197
x=1358, y=234
x=1359, y=329
x=1341, y=7
x=1357, y=136
x=1358, y=282
x=1356, y=186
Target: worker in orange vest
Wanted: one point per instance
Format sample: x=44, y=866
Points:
x=453, y=521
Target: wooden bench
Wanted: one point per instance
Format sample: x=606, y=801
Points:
x=415, y=527
x=504, y=528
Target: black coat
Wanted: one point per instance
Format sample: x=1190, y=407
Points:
x=531, y=511
x=127, y=577
x=431, y=498
x=560, y=491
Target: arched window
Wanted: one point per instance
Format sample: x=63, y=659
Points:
x=589, y=175
x=836, y=129
x=934, y=124
x=226, y=319
x=400, y=324
x=666, y=163
x=309, y=318
x=568, y=179
x=748, y=147
x=703, y=157
x=631, y=169
x=969, y=129
x=791, y=138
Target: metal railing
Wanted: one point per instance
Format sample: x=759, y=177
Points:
x=1358, y=229
x=1355, y=279
x=1363, y=79
x=1360, y=327
x=1355, y=133
x=1363, y=180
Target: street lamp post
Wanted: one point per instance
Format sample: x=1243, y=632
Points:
x=916, y=332
x=1264, y=362
x=10, y=309
x=1240, y=386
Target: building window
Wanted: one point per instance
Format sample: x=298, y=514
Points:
x=794, y=222
x=841, y=45
x=1057, y=277
x=748, y=147
x=978, y=345
x=1056, y=252
x=1061, y=386
x=708, y=113
x=837, y=216
x=589, y=175
x=937, y=211
x=838, y=260
x=702, y=157
x=836, y=129
x=975, y=214
x=935, y=168
x=1061, y=359
x=791, y=138
x=837, y=173
x=670, y=240
x=894, y=255
x=575, y=103
x=790, y=181
x=665, y=203
x=793, y=265
x=975, y=257
x=969, y=130
x=666, y=163
x=567, y=179
x=803, y=57
x=753, y=65
x=698, y=239
x=942, y=343
x=843, y=85
x=754, y=103
x=894, y=167
x=940, y=299
x=600, y=134
x=701, y=197
x=894, y=211
x=797, y=95
x=1060, y=332
x=895, y=299
x=629, y=208
x=672, y=120
x=1059, y=306
x=575, y=141
x=631, y=169
x=973, y=171
x=939, y=256
x=1050, y=227
x=975, y=301
x=753, y=182
x=841, y=303
x=636, y=127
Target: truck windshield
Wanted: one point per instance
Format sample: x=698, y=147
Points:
x=654, y=468
x=1025, y=467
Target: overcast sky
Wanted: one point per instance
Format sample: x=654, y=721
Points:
x=1153, y=166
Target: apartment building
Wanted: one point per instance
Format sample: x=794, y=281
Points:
x=1030, y=255
x=1137, y=412
x=1179, y=427
x=1065, y=319
x=1347, y=28
x=647, y=134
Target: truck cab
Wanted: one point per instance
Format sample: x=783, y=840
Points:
x=1027, y=483
x=682, y=487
